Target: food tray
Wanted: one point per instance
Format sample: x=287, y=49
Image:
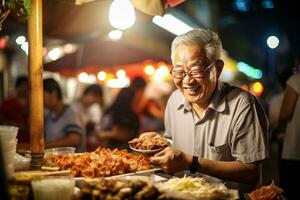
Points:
x=147, y=172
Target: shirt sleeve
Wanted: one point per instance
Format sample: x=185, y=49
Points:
x=294, y=82
x=250, y=134
x=73, y=124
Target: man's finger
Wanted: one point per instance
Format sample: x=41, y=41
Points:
x=158, y=160
x=161, y=153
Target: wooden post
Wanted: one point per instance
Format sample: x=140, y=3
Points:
x=35, y=74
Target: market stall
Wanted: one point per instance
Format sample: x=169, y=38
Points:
x=103, y=173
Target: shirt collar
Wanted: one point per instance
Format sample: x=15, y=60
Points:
x=218, y=100
x=217, y=103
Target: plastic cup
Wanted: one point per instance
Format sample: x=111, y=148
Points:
x=8, y=142
x=8, y=133
x=9, y=169
x=53, y=188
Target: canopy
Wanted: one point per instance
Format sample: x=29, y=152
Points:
x=97, y=54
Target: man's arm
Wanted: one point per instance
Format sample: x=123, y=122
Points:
x=231, y=170
x=173, y=160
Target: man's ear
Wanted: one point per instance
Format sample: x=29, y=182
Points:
x=219, y=66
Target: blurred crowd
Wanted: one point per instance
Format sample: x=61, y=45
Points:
x=87, y=122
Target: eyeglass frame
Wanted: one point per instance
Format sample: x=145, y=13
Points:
x=188, y=72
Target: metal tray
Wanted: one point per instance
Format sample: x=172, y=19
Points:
x=147, y=172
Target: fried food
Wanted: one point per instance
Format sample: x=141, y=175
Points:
x=101, y=162
x=119, y=189
x=270, y=192
x=149, y=143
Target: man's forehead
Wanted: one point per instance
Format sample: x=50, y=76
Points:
x=195, y=61
x=190, y=53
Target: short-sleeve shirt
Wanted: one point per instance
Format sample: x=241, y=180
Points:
x=233, y=127
x=61, y=126
x=291, y=142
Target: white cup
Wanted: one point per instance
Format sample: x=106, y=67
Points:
x=53, y=188
x=9, y=169
x=8, y=135
x=8, y=132
x=8, y=144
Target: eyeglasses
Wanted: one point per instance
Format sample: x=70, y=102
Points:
x=195, y=73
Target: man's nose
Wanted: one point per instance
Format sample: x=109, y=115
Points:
x=188, y=77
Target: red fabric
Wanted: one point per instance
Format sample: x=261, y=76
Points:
x=173, y=3
x=12, y=112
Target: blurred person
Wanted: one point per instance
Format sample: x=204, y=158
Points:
x=217, y=129
x=120, y=122
x=89, y=110
x=62, y=125
x=117, y=128
x=288, y=132
x=276, y=100
x=132, y=97
x=14, y=111
x=153, y=114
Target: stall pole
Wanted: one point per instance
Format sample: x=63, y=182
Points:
x=35, y=74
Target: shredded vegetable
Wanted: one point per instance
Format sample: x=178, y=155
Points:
x=198, y=188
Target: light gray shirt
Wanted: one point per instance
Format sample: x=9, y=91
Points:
x=233, y=127
x=59, y=127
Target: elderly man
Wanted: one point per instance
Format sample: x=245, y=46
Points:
x=217, y=129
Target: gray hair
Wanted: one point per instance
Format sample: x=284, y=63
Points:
x=209, y=39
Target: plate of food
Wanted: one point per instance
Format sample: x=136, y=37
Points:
x=149, y=145
x=196, y=188
x=102, y=162
x=266, y=192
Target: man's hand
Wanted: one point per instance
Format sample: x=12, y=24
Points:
x=148, y=134
x=171, y=160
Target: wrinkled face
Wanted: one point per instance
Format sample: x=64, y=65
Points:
x=195, y=90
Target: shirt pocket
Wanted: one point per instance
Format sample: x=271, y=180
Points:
x=220, y=152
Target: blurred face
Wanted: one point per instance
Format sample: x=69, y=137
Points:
x=50, y=100
x=22, y=90
x=90, y=99
x=196, y=90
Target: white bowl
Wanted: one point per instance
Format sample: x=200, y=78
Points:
x=151, y=151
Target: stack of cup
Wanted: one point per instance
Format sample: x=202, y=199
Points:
x=8, y=140
x=53, y=188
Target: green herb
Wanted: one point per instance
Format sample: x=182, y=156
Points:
x=23, y=6
x=27, y=6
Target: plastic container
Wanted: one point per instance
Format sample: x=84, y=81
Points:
x=59, y=150
x=53, y=188
x=8, y=133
